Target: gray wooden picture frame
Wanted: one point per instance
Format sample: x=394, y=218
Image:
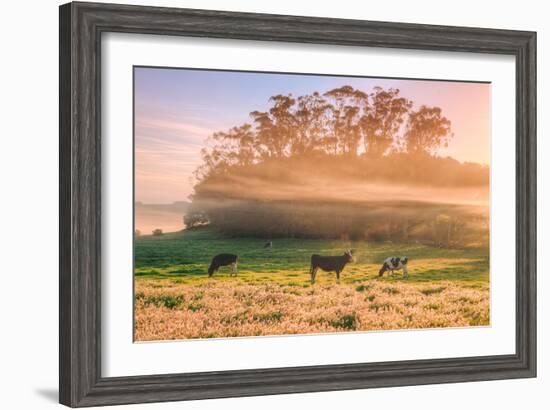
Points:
x=81, y=28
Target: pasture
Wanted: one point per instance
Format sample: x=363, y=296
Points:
x=272, y=294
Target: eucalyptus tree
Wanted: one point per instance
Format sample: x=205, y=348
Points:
x=427, y=131
x=383, y=119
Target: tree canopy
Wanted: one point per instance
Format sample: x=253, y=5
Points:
x=345, y=163
x=343, y=121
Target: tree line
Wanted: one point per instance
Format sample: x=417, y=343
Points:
x=300, y=169
x=343, y=121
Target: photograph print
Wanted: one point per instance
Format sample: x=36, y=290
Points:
x=287, y=204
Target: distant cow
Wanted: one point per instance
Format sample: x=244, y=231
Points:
x=394, y=263
x=223, y=259
x=329, y=264
x=268, y=245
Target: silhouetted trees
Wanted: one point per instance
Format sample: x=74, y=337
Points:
x=346, y=106
x=300, y=169
x=383, y=120
x=427, y=130
x=342, y=121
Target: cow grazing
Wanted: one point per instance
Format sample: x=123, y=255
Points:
x=330, y=264
x=268, y=245
x=391, y=264
x=223, y=259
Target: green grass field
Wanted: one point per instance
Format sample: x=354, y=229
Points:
x=186, y=255
x=272, y=293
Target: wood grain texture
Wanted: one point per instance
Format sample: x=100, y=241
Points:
x=81, y=26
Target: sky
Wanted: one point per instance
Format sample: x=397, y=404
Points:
x=177, y=109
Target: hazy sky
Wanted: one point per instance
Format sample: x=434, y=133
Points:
x=177, y=109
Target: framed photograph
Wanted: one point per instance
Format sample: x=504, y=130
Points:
x=261, y=204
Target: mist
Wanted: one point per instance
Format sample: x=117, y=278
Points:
x=167, y=217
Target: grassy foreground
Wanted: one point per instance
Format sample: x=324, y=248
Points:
x=175, y=299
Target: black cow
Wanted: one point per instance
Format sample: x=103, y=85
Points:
x=329, y=264
x=223, y=259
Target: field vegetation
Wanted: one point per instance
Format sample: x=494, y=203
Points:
x=272, y=294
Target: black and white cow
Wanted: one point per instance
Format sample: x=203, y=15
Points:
x=391, y=264
x=223, y=259
x=329, y=264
